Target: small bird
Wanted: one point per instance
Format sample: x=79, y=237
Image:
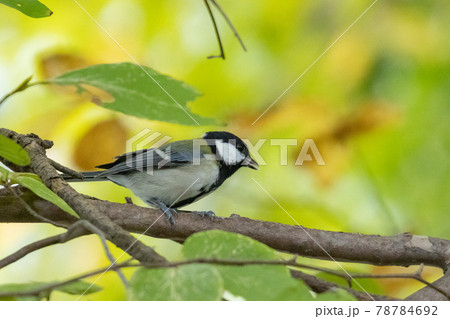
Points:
x=178, y=173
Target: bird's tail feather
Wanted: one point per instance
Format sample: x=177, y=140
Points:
x=87, y=177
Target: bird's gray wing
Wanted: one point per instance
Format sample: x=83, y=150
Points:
x=168, y=156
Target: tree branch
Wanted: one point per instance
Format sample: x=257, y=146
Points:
x=113, y=218
x=40, y=165
x=31, y=211
x=399, y=250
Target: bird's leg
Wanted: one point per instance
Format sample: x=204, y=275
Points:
x=169, y=212
x=208, y=213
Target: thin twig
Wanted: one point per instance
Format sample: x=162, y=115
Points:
x=50, y=287
x=319, y=285
x=66, y=170
x=417, y=275
x=88, y=226
x=216, y=30
x=223, y=262
x=80, y=228
x=72, y=233
x=229, y=23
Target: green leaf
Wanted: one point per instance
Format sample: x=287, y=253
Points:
x=31, y=8
x=194, y=282
x=79, y=288
x=13, y=152
x=75, y=288
x=253, y=282
x=11, y=288
x=32, y=182
x=336, y=295
x=5, y=175
x=139, y=91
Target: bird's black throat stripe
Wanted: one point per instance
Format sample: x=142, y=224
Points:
x=225, y=171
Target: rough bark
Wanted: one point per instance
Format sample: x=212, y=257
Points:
x=84, y=207
x=400, y=250
x=116, y=219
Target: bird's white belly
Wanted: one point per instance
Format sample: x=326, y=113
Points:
x=170, y=185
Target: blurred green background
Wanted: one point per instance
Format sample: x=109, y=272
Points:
x=377, y=105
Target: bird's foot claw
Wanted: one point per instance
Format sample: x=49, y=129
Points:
x=208, y=213
x=170, y=213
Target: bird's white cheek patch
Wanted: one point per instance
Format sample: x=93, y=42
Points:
x=229, y=153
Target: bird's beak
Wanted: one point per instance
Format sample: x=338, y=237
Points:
x=250, y=162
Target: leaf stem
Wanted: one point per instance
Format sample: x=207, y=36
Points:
x=22, y=86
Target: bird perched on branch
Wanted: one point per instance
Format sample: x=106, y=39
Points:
x=178, y=173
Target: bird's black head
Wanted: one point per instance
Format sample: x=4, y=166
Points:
x=229, y=149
